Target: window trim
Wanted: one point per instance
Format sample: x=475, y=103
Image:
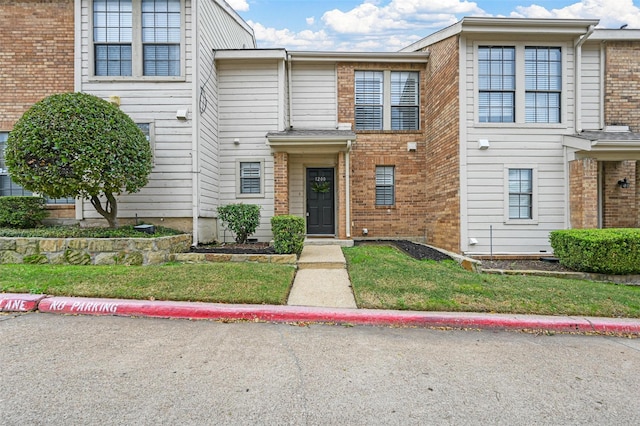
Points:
x=393, y=186
x=152, y=136
x=520, y=91
x=239, y=194
x=137, y=59
x=386, y=100
x=534, y=195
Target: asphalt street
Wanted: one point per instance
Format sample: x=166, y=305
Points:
x=59, y=369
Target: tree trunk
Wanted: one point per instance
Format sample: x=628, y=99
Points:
x=110, y=209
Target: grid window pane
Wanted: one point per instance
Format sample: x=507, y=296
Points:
x=520, y=194
x=112, y=37
x=161, y=37
x=368, y=98
x=496, y=84
x=543, y=84
x=250, y=178
x=385, y=185
x=405, y=100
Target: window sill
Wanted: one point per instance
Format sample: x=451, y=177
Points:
x=521, y=222
x=136, y=79
x=245, y=196
x=389, y=207
x=520, y=125
x=390, y=132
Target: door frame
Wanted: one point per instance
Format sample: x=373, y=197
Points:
x=333, y=196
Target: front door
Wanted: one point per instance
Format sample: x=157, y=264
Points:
x=320, y=202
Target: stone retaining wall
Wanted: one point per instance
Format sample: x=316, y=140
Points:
x=93, y=251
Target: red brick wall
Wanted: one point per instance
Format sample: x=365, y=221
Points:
x=36, y=54
x=281, y=183
x=385, y=148
x=620, y=206
x=443, y=146
x=583, y=190
x=622, y=84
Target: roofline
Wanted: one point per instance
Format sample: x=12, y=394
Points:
x=231, y=11
x=319, y=56
x=493, y=25
x=606, y=34
x=280, y=54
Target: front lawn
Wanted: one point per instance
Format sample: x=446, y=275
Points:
x=214, y=282
x=384, y=278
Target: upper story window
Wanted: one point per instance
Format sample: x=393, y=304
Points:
x=387, y=100
x=137, y=37
x=543, y=84
x=497, y=84
x=519, y=84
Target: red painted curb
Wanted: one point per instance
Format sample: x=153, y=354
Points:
x=13, y=302
x=271, y=313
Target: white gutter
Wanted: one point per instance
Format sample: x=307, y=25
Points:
x=195, y=124
x=289, y=87
x=578, y=78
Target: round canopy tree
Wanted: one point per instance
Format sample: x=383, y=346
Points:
x=78, y=145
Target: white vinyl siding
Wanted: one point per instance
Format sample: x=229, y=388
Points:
x=591, y=96
x=313, y=96
x=484, y=172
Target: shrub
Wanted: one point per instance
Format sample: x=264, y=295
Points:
x=288, y=234
x=605, y=251
x=78, y=145
x=241, y=219
x=22, y=212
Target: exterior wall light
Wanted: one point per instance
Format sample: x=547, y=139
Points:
x=624, y=183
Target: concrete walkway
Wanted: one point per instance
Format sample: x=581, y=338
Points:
x=322, y=279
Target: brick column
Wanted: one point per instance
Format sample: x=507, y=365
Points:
x=620, y=209
x=583, y=193
x=281, y=183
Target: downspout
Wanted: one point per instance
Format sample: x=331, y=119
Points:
x=289, y=91
x=77, y=74
x=578, y=78
x=347, y=188
x=195, y=124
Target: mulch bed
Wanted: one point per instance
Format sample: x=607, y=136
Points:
x=417, y=251
x=232, y=248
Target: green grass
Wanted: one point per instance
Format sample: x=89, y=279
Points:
x=214, y=282
x=384, y=278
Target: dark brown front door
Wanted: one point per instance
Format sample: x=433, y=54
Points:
x=320, y=202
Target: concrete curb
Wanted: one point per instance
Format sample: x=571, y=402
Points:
x=271, y=313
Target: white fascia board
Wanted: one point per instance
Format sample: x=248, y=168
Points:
x=251, y=54
x=615, y=35
x=391, y=57
x=434, y=38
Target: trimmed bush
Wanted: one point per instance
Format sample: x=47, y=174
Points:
x=241, y=219
x=288, y=234
x=604, y=251
x=22, y=212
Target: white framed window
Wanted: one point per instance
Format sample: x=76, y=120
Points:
x=521, y=195
x=385, y=186
x=138, y=38
x=148, y=128
x=519, y=84
x=250, y=178
x=387, y=100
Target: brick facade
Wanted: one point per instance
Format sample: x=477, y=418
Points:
x=37, y=54
x=281, y=183
x=622, y=84
x=619, y=205
x=406, y=218
x=443, y=146
x=583, y=190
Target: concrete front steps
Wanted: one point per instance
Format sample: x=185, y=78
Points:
x=322, y=279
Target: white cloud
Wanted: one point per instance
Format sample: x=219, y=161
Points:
x=612, y=14
x=239, y=5
x=311, y=20
x=303, y=40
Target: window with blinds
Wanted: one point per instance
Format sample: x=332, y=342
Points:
x=369, y=95
x=520, y=193
x=543, y=84
x=250, y=178
x=152, y=28
x=404, y=101
x=497, y=84
x=385, y=185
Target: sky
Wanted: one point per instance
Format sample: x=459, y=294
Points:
x=389, y=25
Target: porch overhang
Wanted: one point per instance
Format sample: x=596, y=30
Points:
x=304, y=141
x=605, y=145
